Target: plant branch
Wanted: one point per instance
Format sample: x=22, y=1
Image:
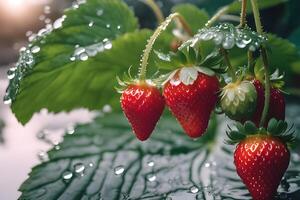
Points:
x=264, y=56
x=243, y=14
x=151, y=41
x=221, y=12
x=251, y=62
x=231, y=69
x=157, y=11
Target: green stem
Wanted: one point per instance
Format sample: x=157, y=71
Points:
x=264, y=56
x=221, y=12
x=157, y=11
x=151, y=41
x=231, y=69
x=243, y=14
x=251, y=62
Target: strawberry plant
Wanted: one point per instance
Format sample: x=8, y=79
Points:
x=201, y=69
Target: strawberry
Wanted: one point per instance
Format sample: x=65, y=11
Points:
x=143, y=105
x=276, y=106
x=191, y=95
x=261, y=156
x=238, y=100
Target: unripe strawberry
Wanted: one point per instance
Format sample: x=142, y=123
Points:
x=238, y=100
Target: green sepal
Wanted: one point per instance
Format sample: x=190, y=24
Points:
x=275, y=128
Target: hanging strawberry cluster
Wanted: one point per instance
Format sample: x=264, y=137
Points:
x=201, y=79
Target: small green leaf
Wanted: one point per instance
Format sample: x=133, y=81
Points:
x=195, y=17
x=272, y=125
x=250, y=128
x=235, y=7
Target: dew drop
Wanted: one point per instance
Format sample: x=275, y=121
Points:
x=35, y=49
x=240, y=44
x=228, y=43
x=43, y=156
x=119, y=27
x=207, y=165
x=7, y=100
x=91, y=24
x=107, y=25
x=83, y=56
x=150, y=163
x=57, y=147
x=151, y=177
x=67, y=175
x=58, y=23
x=91, y=164
x=99, y=12
x=10, y=74
x=194, y=189
x=70, y=130
x=119, y=170
x=108, y=45
x=47, y=9
x=72, y=58
x=79, y=168
x=107, y=109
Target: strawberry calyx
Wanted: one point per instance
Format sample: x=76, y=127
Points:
x=275, y=128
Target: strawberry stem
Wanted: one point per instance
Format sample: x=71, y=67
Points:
x=264, y=56
x=231, y=69
x=151, y=41
x=243, y=14
x=157, y=11
x=218, y=14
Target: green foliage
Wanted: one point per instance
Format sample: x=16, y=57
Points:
x=195, y=17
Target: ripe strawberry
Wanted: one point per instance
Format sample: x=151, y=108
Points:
x=191, y=96
x=261, y=156
x=261, y=161
x=276, y=106
x=143, y=105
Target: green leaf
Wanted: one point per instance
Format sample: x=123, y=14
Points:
x=55, y=73
x=168, y=165
x=89, y=84
x=235, y=7
x=195, y=17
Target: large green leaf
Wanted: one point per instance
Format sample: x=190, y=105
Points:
x=104, y=160
x=235, y=7
x=57, y=73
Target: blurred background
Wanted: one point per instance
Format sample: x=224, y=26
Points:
x=20, y=20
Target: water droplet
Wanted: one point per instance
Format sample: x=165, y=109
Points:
x=228, y=43
x=91, y=164
x=107, y=25
x=67, y=175
x=58, y=23
x=10, y=74
x=240, y=44
x=207, y=164
x=42, y=17
x=79, y=168
x=91, y=24
x=108, y=45
x=150, y=163
x=119, y=170
x=100, y=12
x=70, y=130
x=43, y=156
x=72, y=58
x=47, y=9
x=107, y=109
x=7, y=100
x=151, y=177
x=194, y=189
x=118, y=27
x=28, y=33
x=83, y=56
x=57, y=147
x=35, y=49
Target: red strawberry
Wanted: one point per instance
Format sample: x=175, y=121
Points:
x=277, y=104
x=192, y=100
x=143, y=105
x=261, y=161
